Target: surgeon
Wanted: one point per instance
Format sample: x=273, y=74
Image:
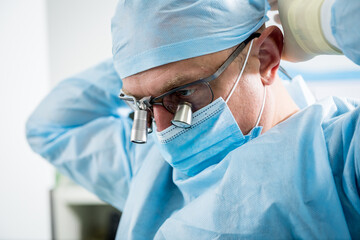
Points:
x=314, y=27
x=231, y=155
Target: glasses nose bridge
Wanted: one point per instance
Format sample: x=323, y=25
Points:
x=158, y=101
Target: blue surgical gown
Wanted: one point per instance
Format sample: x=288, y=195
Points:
x=300, y=179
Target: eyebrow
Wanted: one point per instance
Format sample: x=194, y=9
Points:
x=175, y=82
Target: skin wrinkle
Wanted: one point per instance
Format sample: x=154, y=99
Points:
x=179, y=80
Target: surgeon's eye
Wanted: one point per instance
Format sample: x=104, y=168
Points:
x=185, y=92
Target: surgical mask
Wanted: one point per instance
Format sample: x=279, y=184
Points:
x=213, y=134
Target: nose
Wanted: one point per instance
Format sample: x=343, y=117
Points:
x=162, y=117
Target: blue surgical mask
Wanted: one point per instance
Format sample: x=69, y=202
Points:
x=214, y=133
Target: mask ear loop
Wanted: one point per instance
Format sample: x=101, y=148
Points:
x=240, y=74
x=237, y=81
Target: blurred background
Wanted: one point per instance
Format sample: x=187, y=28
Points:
x=43, y=42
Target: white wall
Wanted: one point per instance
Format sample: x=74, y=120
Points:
x=25, y=178
x=329, y=76
x=41, y=42
x=79, y=35
x=347, y=88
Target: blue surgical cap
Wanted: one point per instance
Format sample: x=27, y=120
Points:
x=148, y=34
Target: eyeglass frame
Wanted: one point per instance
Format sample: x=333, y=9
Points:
x=150, y=101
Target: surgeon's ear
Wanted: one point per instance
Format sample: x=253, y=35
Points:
x=268, y=48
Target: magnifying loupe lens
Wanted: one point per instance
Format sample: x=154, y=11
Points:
x=183, y=116
x=139, y=129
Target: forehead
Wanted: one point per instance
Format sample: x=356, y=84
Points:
x=155, y=81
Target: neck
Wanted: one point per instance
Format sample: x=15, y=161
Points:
x=284, y=106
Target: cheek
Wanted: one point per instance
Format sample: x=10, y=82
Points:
x=243, y=111
x=245, y=104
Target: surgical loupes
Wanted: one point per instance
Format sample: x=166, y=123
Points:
x=140, y=128
x=183, y=115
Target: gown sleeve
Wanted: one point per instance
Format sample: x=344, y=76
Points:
x=83, y=129
x=344, y=16
x=342, y=134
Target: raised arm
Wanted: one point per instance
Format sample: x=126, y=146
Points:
x=82, y=128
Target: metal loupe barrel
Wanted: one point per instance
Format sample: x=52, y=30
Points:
x=139, y=129
x=183, y=115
